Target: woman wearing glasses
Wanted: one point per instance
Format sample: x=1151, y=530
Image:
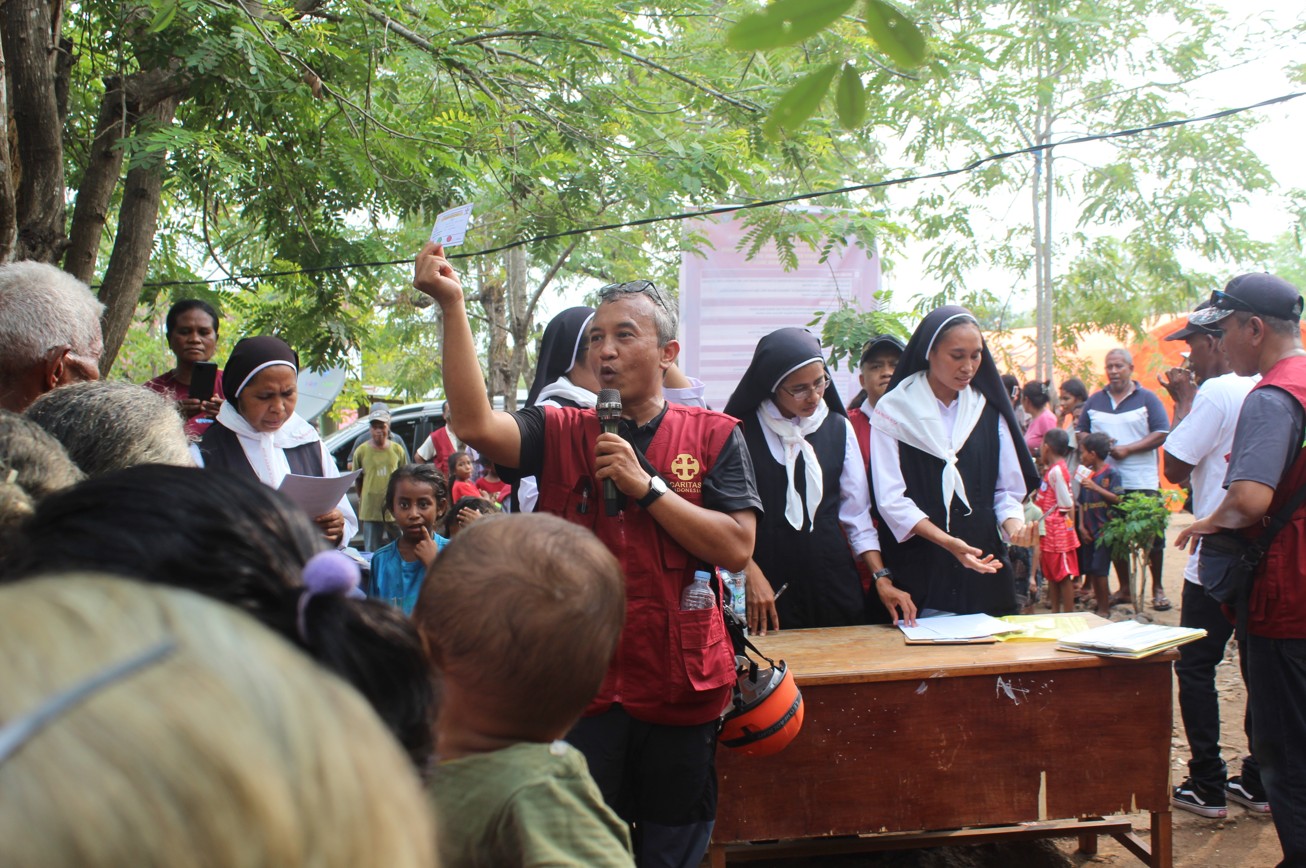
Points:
x=813, y=486
x=947, y=473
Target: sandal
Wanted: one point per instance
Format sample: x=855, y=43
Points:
x=1118, y=599
x=1161, y=604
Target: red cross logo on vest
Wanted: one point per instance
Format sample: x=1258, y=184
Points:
x=685, y=467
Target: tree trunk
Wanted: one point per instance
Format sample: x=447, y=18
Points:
x=493, y=300
x=138, y=218
x=519, y=323
x=93, y=195
x=8, y=208
x=29, y=47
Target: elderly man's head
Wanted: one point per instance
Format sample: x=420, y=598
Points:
x=49, y=332
x=113, y=424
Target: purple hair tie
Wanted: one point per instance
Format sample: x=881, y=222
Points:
x=329, y=572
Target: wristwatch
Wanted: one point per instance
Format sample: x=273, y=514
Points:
x=657, y=486
x=884, y=572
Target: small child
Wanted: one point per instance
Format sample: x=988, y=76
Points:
x=1058, y=542
x=492, y=487
x=1099, y=490
x=460, y=477
x=416, y=498
x=465, y=511
x=521, y=617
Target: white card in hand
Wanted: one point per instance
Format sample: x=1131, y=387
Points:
x=451, y=226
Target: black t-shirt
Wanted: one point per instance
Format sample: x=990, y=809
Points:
x=728, y=487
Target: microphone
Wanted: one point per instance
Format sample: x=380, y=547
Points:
x=609, y=410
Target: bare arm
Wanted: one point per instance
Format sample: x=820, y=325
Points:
x=1244, y=504
x=1176, y=471
x=722, y=538
x=493, y=434
x=1147, y=444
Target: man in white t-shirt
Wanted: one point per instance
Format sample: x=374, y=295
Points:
x=1207, y=400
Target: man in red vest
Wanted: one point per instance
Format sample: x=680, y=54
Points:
x=1260, y=316
x=684, y=500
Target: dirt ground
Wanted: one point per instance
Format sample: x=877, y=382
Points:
x=1243, y=840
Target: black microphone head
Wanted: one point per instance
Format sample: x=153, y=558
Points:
x=608, y=404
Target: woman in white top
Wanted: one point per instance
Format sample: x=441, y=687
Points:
x=947, y=475
x=813, y=486
x=257, y=433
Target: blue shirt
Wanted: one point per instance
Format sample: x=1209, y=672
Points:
x=1139, y=414
x=396, y=580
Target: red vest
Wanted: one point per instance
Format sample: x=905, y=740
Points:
x=671, y=666
x=862, y=428
x=1278, y=599
x=443, y=449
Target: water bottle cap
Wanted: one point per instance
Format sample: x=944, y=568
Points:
x=702, y=575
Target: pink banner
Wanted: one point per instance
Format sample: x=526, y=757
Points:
x=728, y=302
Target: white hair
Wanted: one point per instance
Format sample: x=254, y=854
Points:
x=42, y=307
x=110, y=424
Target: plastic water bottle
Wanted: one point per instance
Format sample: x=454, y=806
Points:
x=735, y=582
x=699, y=594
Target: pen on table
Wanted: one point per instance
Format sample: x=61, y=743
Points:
x=783, y=588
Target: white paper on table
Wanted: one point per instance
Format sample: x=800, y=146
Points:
x=451, y=226
x=317, y=495
x=944, y=628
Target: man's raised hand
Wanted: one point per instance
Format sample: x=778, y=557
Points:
x=434, y=276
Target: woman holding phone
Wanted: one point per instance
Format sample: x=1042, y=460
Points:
x=195, y=383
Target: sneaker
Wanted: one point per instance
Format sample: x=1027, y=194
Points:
x=1236, y=790
x=1200, y=801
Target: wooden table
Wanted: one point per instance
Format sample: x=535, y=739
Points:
x=929, y=745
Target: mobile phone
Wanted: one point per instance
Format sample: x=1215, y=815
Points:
x=203, y=380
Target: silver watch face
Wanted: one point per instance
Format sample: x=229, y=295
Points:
x=658, y=484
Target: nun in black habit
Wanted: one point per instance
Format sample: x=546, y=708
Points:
x=562, y=379
x=813, y=486
x=949, y=481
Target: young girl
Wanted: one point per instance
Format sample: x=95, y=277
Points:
x=460, y=476
x=1058, y=544
x=416, y=498
x=465, y=511
x=492, y=487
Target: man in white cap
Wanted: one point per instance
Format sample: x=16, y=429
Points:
x=377, y=457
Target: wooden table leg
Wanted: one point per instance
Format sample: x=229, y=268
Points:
x=1088, y=844
x=716, y=855
x=1162, y=840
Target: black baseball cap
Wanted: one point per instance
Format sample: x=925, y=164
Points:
x=1259, y=293
x=880, y=342
x=1192, y=328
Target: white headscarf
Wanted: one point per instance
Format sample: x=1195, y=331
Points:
x=793, y=435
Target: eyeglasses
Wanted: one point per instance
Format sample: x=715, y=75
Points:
x=634, y=287
x=802, y=393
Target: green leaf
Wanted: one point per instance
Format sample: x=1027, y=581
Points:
x=163, y=16
x=799, y=102
x=755, y=32
x=785, y=22
x=850, y=99
x=896, y=35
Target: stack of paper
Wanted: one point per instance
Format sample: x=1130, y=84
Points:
x=955, y=629
x=1129, y=639
x=1044, y=628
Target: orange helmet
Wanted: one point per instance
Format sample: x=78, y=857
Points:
x=767, y=711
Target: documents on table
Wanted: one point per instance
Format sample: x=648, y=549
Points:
x=317, y=495
x=1044, y=628
x=1129, y=639
x=955, y=629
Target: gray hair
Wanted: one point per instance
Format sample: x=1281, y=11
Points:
x=1120, y=351
x=666, y=320
x=32, y=465
x=42, y=308
x=109, y=425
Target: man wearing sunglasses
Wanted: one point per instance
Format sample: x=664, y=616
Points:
x=685, y=500
x=1207, y=397
x=1259, y=315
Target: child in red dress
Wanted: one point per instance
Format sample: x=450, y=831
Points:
x=1058, y=544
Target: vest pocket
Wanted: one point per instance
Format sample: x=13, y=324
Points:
x=699, y=637
x=577, y=503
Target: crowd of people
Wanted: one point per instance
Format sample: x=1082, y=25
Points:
x=514, y=640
